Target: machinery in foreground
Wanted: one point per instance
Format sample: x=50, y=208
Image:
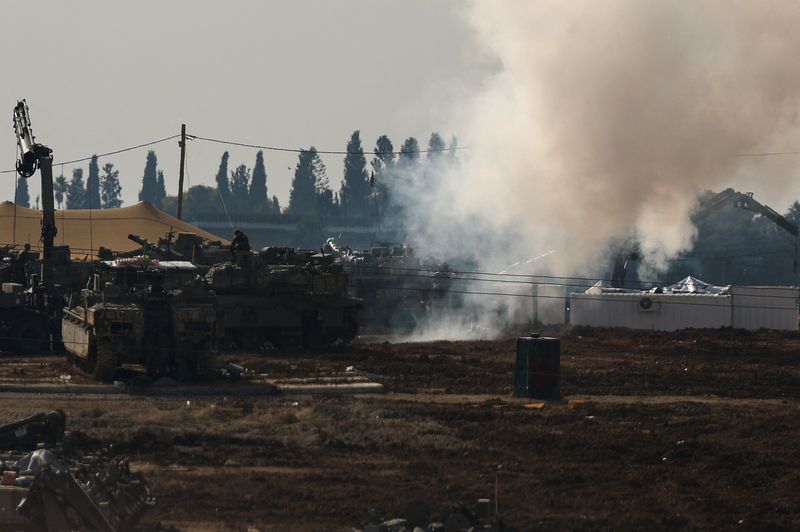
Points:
x=147, y=312
x=48, y=486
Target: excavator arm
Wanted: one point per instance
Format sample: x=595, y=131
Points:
x=728, y=197
x=745, y=201
x=33, y=155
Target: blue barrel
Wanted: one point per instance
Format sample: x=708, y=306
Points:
x=537, y=371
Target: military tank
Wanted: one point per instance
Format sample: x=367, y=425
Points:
x=143, y=311
x=24, y=329
x=284, y=298
x=397, y=287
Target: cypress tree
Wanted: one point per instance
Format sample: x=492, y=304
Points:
x=303, y=196
x=21, y=195
x=76, y=194
x=258, y=185
x=355, y=191
x=161, y=188
x=222, y=178
x=150, y=179
x=93, y=185
x=382, y=167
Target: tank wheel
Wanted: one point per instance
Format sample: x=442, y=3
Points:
x=104, y=364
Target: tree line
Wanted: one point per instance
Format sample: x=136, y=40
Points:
x=100, y=191
x=368, y=191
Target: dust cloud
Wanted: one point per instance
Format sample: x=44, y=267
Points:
x=603, y=120
x=606, y=118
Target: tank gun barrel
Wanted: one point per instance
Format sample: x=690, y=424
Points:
x=164, y=253
x=139, y=240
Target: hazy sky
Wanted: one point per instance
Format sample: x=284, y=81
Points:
x=104, y=75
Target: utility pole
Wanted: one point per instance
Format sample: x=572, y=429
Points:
x=182, y=144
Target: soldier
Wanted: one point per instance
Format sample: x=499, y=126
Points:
x=240, y=242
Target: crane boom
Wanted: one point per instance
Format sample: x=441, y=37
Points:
x=33, y=155
x=745, y=201
x=729, y=197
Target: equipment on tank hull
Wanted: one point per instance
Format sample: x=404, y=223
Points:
x=398, y=289
x=289, y=298
x=147, y=312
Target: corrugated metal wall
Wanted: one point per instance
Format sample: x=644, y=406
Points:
x=658, y=312
x=771, y=307
x=750, y=307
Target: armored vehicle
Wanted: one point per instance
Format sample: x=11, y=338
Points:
x=397, y=287
x=284, y=297
x=143, y=311
x=24, y=329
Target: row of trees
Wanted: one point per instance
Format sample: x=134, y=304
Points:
x=100, y=191
x=240, y=192
x=367, y=192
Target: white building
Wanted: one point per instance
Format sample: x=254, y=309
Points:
x=689, y=303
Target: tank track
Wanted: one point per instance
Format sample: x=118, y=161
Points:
x=105, y=362
x=102, y=360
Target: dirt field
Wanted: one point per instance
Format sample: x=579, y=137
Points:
x=695, y=429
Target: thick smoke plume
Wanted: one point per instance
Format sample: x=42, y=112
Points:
x=604, y=120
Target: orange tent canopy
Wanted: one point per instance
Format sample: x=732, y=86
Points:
x=84, y=230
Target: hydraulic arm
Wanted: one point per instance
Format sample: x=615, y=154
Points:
x=742, y=201
x=33, y=155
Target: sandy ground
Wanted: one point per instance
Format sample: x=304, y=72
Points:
x=690, y=430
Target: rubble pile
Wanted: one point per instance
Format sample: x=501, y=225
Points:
x=417, y=517
x=49, y=486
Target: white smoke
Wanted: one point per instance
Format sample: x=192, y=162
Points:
x=604, y=120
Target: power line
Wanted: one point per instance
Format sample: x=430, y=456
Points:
x=456, y=275
x=768, y=154
x=442, y=272
x=322, y=152
x=106, y=154
x=631, y=296
x=519, y=282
